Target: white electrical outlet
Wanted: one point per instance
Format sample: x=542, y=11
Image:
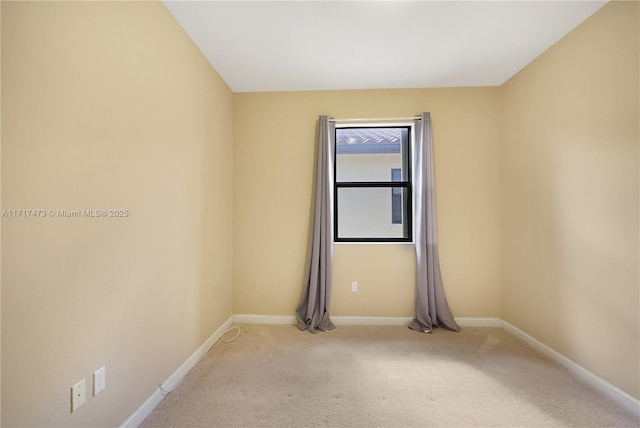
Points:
x=99, y=381
x=78, y=395
x=354, y=286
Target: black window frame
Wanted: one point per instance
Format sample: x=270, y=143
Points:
x=405, y=185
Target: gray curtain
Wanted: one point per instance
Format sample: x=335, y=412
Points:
x=432, y=309
x=312, y=312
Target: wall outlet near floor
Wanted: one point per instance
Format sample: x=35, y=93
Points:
x=78, y=395
x=354, y=286
x=99, y=381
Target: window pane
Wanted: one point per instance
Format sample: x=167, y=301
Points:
x=367, y=154
x=367, y=212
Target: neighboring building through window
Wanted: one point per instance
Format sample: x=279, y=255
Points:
x=371, y=204
x=396, y=197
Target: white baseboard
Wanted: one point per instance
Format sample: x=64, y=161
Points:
x=395, y=321
x=139, y=415
x=613, y=392
x=346, y=320
x=264, y=319
x=479, y=322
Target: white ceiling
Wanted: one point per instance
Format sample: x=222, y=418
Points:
x=319, y=45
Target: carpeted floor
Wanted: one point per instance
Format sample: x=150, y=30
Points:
x=364, y=376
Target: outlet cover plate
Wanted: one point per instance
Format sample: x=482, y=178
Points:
x=99, y=381
x=78, y=395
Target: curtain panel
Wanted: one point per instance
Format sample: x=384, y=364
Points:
x=432, y=308
x=312, y=312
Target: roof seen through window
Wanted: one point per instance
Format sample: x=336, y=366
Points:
x=368, y=140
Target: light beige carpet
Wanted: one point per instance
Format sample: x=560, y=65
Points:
x=363, y=376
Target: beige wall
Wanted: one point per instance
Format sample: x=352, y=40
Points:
x=274, y=153
x=108, y=105
x=570, y=197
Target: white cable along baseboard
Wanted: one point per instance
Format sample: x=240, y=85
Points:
x=585, y=375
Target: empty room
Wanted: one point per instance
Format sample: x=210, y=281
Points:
x=320, y=213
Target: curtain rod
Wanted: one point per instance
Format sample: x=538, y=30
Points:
x=377, y=119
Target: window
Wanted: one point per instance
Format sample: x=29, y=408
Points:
x=371, y=204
